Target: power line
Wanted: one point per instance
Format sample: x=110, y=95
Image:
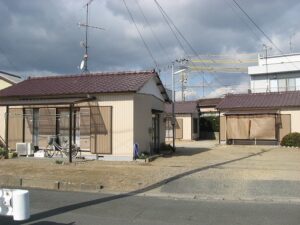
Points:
x=168, y=20
x=163, y=12
x=268, y=38
x=140, y=34
x=243, y=20
x=151, y=29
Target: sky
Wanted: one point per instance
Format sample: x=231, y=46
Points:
x=42, y=37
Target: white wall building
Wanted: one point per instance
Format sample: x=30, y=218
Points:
x=275, y=74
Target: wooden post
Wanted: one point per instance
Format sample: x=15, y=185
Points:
x=70, y=131
x=6, y=127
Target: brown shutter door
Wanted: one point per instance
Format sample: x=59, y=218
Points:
x=179, y=129
x=237, y=127
x=101, y=130
x=47, y=125
x=85, y=128
x=15, y=127
x=263, y=127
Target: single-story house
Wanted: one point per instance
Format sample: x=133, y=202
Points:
x=105, y=114
x=209, y=118
x=259, y=118
x=6, y=80
x=187, y=121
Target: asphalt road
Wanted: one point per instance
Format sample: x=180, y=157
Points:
x=61, y=208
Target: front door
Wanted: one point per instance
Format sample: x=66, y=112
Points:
x=155, y=133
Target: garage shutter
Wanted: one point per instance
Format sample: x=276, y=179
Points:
x=262, y=127
x=251, y=127
x=237, y=127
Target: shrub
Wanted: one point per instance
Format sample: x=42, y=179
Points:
x=292, y=140
x=3, y=153
x=143, y=155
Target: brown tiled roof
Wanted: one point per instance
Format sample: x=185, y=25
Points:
x=182, y=107
x=79, y=84
x=209, y=102
x=260, y=100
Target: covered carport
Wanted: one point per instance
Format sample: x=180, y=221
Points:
x=263, y=118
x=251, y=128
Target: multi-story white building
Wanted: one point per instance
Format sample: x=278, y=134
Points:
x=276, y=74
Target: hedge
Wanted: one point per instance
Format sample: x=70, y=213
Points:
x=291, y=140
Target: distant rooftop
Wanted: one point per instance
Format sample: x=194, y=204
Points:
x=187, y=107
x=275, y=100
x=209, y=102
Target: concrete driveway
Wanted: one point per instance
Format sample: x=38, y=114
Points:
x=268, y=173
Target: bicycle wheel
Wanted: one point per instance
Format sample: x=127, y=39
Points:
x=74, y=151
x=49, y=151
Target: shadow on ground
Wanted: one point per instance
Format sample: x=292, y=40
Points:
x=182, y=151
x=68, y=208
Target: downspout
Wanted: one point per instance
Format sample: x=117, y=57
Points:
x=6, y=127
x=70, y=132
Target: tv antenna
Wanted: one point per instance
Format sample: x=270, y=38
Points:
x=84, y=44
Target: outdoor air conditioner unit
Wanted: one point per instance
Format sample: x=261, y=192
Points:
x=24, y=148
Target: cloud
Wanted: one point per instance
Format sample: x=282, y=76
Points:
x=222, y=91
x=40, y=37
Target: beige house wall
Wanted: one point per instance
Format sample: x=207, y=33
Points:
x=143, y=106
x=122, y=122
x=295, y=118
x=186, y=126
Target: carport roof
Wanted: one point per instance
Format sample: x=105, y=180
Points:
x=260, y=100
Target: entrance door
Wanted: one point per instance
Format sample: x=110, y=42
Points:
x=155, y=133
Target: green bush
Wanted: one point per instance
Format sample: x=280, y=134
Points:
x=292, y=140
x=209, y=124
x=3, y=153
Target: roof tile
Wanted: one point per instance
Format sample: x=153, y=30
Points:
x=79, y=84
x=261, y=100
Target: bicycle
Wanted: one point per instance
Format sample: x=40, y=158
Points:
x=53, y=147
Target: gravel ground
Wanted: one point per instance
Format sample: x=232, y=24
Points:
x=204, y=165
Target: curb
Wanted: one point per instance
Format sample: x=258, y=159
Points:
x=18, y=182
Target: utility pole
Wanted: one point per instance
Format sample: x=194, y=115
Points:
x=183, y=76
x=84, y=62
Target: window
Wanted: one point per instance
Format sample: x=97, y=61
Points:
x=274, y=85
x=291, y=84
x=195, y=125
x=281, y=84
x=297, y=83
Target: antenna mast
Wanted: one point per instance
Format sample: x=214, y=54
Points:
x=84, y=62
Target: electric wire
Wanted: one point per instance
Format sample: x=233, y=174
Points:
x=151, y=29
x=261, y=30
x=140, y=34
x=163, y=12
